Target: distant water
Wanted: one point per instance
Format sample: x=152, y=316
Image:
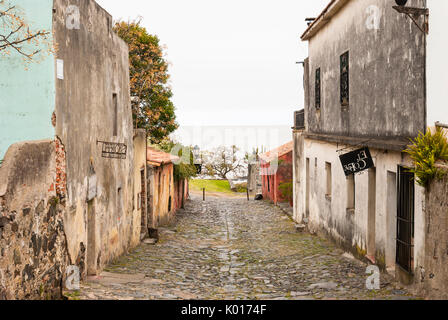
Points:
x=246, y=138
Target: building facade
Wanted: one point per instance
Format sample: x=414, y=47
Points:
x=364, y=85
x=276, y=172
x=77, y=105
x=161, y=188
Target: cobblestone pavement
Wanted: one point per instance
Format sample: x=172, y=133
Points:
x=229, y=248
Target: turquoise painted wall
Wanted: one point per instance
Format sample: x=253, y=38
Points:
x=27, y=97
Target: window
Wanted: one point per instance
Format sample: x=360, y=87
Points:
x=115, y=106
x=351, y=192
x=328, y=173
x=345, y=84
x=318, y=89
x=269, y=184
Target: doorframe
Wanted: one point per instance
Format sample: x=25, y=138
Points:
x=405, y=220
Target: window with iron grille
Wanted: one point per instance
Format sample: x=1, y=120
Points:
x=345, y=84
x=405, y=220
x=299, y=119
x=318, y=89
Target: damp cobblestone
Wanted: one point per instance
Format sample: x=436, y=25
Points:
x=232, y=249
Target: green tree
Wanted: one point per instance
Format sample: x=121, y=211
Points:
x=186, y=168
x=151, y=94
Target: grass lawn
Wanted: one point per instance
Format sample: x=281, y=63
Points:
x=222, y=186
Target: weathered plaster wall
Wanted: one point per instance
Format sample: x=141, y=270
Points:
x=254, y=183
x=140, y=217
x=162, y=189
x=33, y=251
x=298, y=179
x=180, y=194
x=433, y=276
x=279, y=173
x=386, y=73
x=437, y=73
x=350, y=228
x=96, y=68
x=27, y=91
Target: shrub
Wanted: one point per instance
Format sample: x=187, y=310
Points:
x=425, y=151
x=286, y=190
x=240, y=188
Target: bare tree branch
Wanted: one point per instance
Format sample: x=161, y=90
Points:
x=17, y=35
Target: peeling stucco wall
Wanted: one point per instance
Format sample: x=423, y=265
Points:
x=95, y=68
x=278, y=173
x=140, y=215
x=254, y=183
x=387, y=106
x=161, y=186
x=350, y=228
x=33, y=251
x=387, y=69
x=180, y=193
x=432, y=277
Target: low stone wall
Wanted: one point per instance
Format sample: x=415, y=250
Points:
x=33, y=254
x=434, y=275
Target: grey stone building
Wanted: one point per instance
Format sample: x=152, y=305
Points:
x=364, y=83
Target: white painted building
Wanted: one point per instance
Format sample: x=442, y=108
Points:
x=364, y=84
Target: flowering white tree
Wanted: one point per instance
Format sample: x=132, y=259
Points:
x=222, y=162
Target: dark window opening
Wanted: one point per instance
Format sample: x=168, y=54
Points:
x=269, y=184
x=345, y=84
x=405, y=220
x=318, y=89
x=169, y=204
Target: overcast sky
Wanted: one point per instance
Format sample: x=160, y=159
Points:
x=234, y=61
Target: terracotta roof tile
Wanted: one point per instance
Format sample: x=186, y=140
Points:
x=157, y=158
x=280, y=151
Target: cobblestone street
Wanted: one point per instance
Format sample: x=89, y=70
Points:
x=229, y=248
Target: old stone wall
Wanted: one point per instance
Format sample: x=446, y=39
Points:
x=33, y=251
x=434, y=274
x=162, y=190
x=93, y=106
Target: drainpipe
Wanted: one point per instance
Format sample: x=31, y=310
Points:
x=425, y=101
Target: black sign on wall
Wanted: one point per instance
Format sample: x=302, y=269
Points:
x=356, y=161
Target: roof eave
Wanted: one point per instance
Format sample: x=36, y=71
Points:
x=331, y=10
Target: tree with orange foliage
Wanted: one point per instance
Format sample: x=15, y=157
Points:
x=151, y=94
x=17, y=36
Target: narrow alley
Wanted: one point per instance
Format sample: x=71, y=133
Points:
x=229, y=248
